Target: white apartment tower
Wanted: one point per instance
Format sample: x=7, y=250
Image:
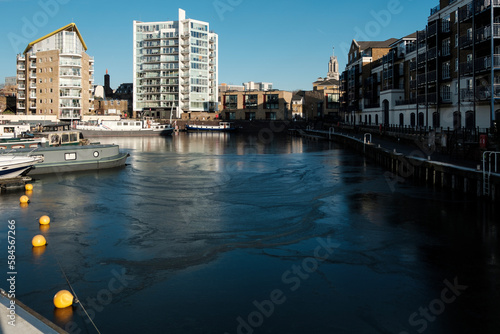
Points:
x=175, y=67
x=55, y=76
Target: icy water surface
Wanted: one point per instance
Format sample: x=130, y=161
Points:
x=217, y=233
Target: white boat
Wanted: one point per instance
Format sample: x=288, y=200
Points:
x=13, y=130
x=222, y=126
x=125, y=127
x=12, y=166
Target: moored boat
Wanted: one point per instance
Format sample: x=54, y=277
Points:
x=125, y=127
x=45, y=139
x=64, y=159
x=222, y=126
x=16, y=165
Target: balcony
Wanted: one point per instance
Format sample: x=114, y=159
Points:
x=466, y=68
x=484, y=33
x=431, y=98
x=432, y=53
x=432, y=29
x=482, y=93
x=435, y=9
x=465, y=13
x=465, y=41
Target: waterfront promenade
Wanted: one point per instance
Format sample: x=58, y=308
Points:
x=417, y=160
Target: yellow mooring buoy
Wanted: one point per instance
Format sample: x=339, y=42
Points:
x=28, y=187
x=24, y=199
x=44, y=220
x=38, y=240
x=63, y=299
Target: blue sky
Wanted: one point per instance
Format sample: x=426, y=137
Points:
x=287, y=43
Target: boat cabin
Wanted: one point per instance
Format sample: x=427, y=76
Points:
x=13, y=130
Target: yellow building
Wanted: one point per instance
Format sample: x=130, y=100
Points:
x=55, y=76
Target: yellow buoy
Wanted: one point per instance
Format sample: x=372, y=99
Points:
x=44, y=220
x=24, y=199
x=28, y=187
x=38, y=240
x=63, y=299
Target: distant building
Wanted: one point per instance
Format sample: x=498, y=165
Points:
x=126, y=92
x=108, y=91
x=256, y=105
x=99, y=92
x=10, y=81
x=261, y=86
x=111, y=107
x=333, y=67
x=227, y=87
x=175, y=66
x=55, y=76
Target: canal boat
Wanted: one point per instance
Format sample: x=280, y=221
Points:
x=13, y=130
x=222, y=127
x=12, y=166
x=125, y=128
x=45, y=139
x=64, y=159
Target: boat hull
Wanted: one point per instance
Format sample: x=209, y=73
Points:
x=12, y=166
x=75, y=158
x=130, y=133
x=210, y=128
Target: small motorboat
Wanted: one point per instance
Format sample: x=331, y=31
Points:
x=12, y=166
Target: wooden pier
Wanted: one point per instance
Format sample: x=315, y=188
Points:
x=16, y=182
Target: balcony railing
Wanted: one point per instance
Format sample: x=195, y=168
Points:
x=466, y=68
x=465, y=41
x=482, y=93
x=432, y=53
x=435, y=9
x=405, y=102
x=465, y=13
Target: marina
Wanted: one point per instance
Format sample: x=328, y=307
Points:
x=323, y=235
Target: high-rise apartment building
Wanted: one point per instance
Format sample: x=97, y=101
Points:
x=55, y=76
x=175, y=67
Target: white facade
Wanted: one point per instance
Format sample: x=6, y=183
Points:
x=260, y=86
x=175, y=66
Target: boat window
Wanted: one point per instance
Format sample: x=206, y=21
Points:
x=8, y=130
x=138, y=123
x=73, y=137
x=54, y=139
x=81, y=135
x=65, y=138
x=119, y=123
x=125, y=123
x=70, y=156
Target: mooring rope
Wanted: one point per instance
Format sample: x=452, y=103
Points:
x=74, y=293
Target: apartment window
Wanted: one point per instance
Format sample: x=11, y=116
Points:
x=251, y=101
x=445, y=24
x=446, y=93
x=39, y=60
x=272, y=101
x=445, y=47
x=271, y=116
x=249, y=116
x=231, y=102
x=456, y=40
x=456, y=64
